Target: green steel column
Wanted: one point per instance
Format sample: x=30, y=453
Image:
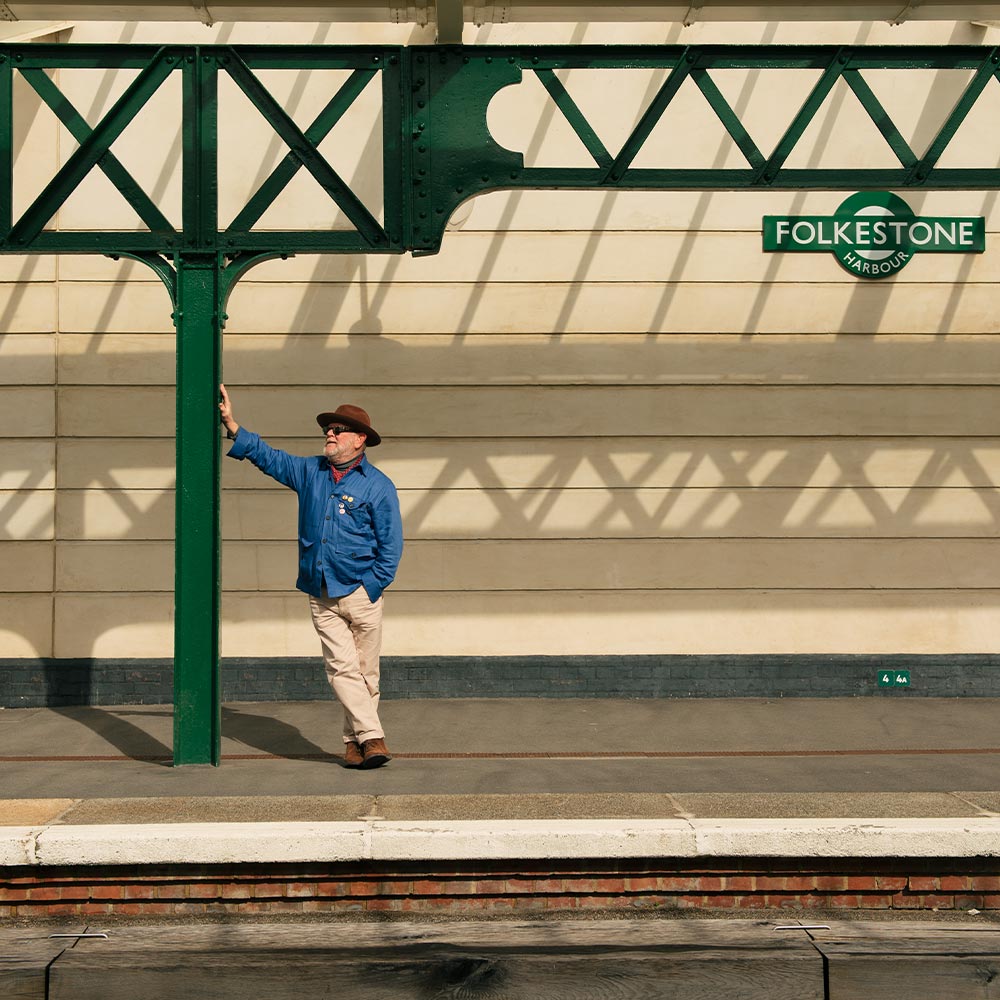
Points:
x=197, y=590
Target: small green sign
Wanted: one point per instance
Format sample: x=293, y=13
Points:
x=893, y=678
x=874, y=234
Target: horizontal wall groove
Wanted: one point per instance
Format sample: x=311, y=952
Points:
x=846, y=282
x=645, y=438
x=834, y=487
x=467, y=230
x=541, y=439
x=718, y=382
x=625, y=588
x=441, y=539
x=670, y=590
x=623, y=282
x=722, y=382
x=395, y=589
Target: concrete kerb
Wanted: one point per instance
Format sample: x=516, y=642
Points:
x=379, y=840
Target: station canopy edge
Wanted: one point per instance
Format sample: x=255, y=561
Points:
x=482, y=12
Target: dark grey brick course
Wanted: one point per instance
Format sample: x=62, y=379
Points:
x=56, y=682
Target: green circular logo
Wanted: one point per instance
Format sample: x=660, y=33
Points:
x=869, y=256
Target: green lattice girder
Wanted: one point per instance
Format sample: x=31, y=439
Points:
x=437, y=149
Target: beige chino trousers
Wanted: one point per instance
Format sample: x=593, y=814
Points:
x=350, y=631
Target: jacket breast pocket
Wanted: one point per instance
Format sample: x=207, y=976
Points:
x=358, y=518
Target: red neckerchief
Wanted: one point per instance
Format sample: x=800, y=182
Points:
x=338, y=475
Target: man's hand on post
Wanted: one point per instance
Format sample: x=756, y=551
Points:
x=226, y=413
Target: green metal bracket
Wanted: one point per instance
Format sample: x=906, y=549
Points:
x=453, y=155
x=234, y=268
x=437, y=152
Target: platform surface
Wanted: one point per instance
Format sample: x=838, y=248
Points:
x=465, y=762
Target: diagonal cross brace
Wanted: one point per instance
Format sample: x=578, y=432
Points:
x=728, y=117
x=571, y=112
x=805, y=115
x=305, y=151
x=880, y=117
x=651, y=116
x=76, y=124
x=92, y=149
x=279, y=178
x=588, y=136
x=990, y=67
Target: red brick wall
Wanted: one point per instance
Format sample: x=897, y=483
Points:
x=489, y=887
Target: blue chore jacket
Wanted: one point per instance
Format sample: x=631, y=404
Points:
x=350, y=532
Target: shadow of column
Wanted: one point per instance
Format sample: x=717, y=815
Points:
x=129, y=739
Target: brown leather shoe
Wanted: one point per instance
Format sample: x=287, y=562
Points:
x=353, y=757
x=375, y=753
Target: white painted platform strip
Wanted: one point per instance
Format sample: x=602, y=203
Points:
x=17, y=846
x=379, y=840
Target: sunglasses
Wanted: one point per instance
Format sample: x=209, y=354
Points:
x=338, y=429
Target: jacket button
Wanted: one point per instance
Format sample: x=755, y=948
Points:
x=328, y=517
x=322, y=540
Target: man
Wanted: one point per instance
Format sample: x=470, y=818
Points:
x=350, y=543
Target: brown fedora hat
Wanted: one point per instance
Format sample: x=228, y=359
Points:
x=351, y=416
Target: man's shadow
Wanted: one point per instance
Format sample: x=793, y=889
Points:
x=269, y=735
x=272, y=736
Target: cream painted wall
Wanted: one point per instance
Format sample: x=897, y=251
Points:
x=615, y=424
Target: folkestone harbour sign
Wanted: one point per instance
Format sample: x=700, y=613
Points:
x=874, y=234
